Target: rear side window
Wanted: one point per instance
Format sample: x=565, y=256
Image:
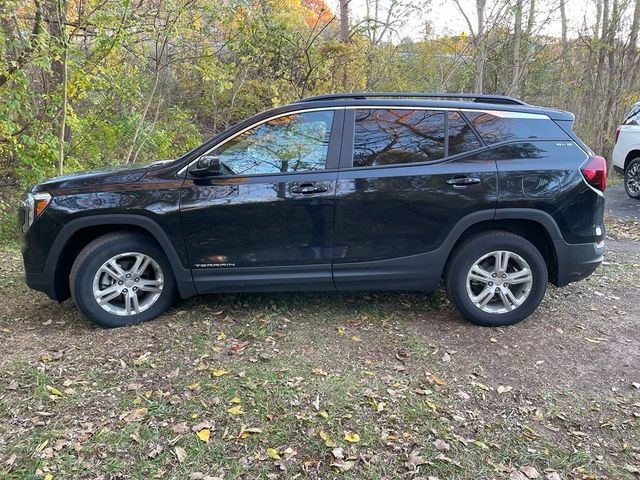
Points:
x=496, y=127
x=391, y=137
x=461, y=136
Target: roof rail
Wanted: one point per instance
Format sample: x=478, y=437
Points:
x=473, y=97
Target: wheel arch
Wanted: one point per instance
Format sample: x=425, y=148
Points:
x=536, y=226
x=80, y=232
x=635, y=153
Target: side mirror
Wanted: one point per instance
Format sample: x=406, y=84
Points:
x=206, y=166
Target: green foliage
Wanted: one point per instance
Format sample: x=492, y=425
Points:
x=151, y=80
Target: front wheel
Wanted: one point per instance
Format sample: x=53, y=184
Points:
x=632, y=178
x=496, y=278
x=121, y=279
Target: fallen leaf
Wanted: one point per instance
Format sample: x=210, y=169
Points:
x=351, y=437
x=530, y=472
x=356, y=338
x=204, y=435
x=246, y=432
x=13, y=385
x=219, y=373
x=504, y=388
x=221, y=335
x=48, y=476
x=54, y=391
x=236, y=410
x=441, y=445
x=415, y=460
x=134, y=415
x=180, y=453
x=438, y=380
x=155, y=451
x=273, y=453
x=328, y=441
x=342, y=465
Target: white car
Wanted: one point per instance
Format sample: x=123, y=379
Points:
x=626, y=154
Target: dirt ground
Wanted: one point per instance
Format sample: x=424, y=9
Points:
x=362, y=385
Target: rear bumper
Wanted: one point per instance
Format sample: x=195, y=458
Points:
x=577, y=261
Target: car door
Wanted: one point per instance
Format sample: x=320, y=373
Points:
x=409, y=178
x=265, y=220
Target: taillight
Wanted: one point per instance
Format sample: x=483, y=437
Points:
x=617, y=134
x=595, y=172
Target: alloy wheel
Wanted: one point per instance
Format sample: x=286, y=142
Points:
x=633, y=179
x=128, y=283
x=499, y=282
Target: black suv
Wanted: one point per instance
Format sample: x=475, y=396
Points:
x=336, y=192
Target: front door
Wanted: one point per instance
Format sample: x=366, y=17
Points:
x=265, y=220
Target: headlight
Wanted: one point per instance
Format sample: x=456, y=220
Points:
x=32, y=207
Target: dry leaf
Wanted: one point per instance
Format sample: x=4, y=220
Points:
x=504, y=388
x=219, y=373
x=351, y=437
x=438, y=380
x=342, y=465
x=204, y=435
x=327, y=439
x=530, y=472
x=236, y=410
x=54, y=391
x=441, y=445
x=134, y=415
x=180, y=453
x=273, y=453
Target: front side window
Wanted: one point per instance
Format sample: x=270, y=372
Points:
x=293, y=143
x=391, y=137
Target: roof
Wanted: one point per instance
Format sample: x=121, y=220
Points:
x=467, y=101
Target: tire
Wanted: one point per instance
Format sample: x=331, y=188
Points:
x=154, y=285
x=632, y=178
x=461, y=284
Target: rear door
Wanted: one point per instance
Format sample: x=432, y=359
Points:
x=407, y=177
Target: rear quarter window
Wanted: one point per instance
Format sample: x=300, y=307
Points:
x=562, y=150
x=496, y=127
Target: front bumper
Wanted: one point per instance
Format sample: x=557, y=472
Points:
x=577, y=261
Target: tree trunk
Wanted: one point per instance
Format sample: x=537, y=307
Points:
x=481, y=48
x=56, y=12
x=344, y=38
x=517, y=38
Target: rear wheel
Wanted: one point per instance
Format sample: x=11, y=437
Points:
x=632, y=178
x=496, y=278
x=121, y=279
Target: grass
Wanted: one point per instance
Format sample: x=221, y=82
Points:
x=426, y=393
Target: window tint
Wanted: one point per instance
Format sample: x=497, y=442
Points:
x=391, y=137
x=527, y=150
x=502, y=127
x=461, y=136
x=293, y=143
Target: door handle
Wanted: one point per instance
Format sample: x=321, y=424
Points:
x=463, y=181
x=308, y=188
